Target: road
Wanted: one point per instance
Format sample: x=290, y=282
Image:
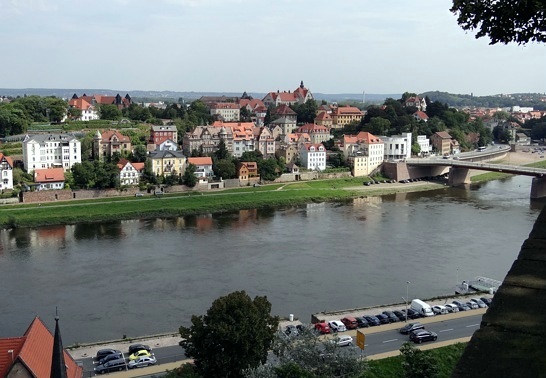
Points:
x=379, y=340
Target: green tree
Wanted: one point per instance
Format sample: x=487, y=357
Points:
x=13, y=120
x=519, y=21
x=55, y=109
x=415, y=149
x=109, y=111
x=225, y=168
x=83, y=174
x=268, y=169
x=222, y=152
x=235, y=334
x=417, y=364
x=74, y=113
x=139, y=154
x=379, y=126
x=245, y=115
x=189, y=178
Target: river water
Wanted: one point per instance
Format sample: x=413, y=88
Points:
x=149, y=276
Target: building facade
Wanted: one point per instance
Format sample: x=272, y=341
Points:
x=51, y=151
x=226, y=111
x=49, y=179
x=397, y=146
x=441, y=141
x=108, y=143
x=167, y=162
x=364, y=152
x=299, y=96
x=313, y=156
x=6, y=172
x=130, y=173
x=318, y=134
x=344, y=115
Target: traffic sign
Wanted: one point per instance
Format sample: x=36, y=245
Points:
x=360, y=339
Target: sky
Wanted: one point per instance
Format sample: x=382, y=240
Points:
x=342, y=46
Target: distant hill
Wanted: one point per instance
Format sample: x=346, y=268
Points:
x=175, y=95
x=535, y=100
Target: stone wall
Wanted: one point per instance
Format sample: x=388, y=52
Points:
x=68, y=195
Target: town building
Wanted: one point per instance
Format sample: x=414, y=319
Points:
x=264, y=141
x=286, y=124
x=441, y=142
x=130, y=173
x=6, y=172
x=420, y=116
x=203, y=167
x=248, y=171
x=167, y=145
x=397, y=146
x=95, y=100
x=160, y=133
x=416, y=102
x=51, y=151
x=49, y=179
x=299, y=96
x=226, y=111
x=364, y=152
x=89, y=112
x=324, y=119
x=313, y=156
x=424, y=144
x=287, y=151
x=205, y=139
x=109, y=142
x=318, y=134
x=167, y=162
x=38, y=354
x=344, y=115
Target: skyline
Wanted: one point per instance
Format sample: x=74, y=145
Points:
x=258, y=46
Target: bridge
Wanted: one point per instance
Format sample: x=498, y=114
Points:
x=460, y=166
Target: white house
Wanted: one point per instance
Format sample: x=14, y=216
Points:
x=397, y=146
x=226, y=111
x=129, y=173
x=313, y=156
x=203, y=166
x=364, y=152
x=6, y=172
x=167, y=145
x=51, y=151
x=49, y=179
x=424, y=143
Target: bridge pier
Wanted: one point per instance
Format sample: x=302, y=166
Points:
x=458, y=176
x=538, y=187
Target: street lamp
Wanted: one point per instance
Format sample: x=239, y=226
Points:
x=407, y=299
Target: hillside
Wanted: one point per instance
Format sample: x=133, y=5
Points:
x=535, y=100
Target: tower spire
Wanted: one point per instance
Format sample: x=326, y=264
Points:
x=58, y=367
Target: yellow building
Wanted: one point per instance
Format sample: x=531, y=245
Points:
x=344, y=115
x=168, y=162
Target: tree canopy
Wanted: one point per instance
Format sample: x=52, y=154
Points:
x=519, y=21
x=235, y=334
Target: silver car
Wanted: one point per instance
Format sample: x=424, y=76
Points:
x=142, y=362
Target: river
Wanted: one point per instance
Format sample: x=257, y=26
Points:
x=143, y=277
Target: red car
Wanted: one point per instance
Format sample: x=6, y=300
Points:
x=322, y=328
x=350, y=322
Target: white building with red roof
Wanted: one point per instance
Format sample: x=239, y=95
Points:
x=6, y=172
x=89, y=111
x=313, y=156
x=299, y=96
x=130, y=173
x=416, y=102
x=203, y=166
x=364, y=152
x=49, y=179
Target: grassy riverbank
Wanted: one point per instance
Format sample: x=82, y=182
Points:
x=489, y=176
x=277, y=195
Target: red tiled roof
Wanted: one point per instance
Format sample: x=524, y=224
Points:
x=200, y=160
x=35, y=351
x=80, y=103
x=138, y=166
x=323, y=116
x=284, y=109
x=309, y=145
x=362, y=137
x=10, y=162
x=48, y=175
x=421, y=115
x=225, y=105
x=311, y=128
x=347, y=110
x=443, y=134
x=109, y=134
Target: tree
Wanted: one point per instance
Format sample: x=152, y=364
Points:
x=415, y=149
x=379, y=126
x=225, y=168
x=139, y=154
x=189, y=178
x=234, y=335
x=74, y=113
x=222, y=152
x=519, y=21
x=55, y=109
x=268, y=169
x=418, y=364
x=109, y=111
x=245, y=115
x=83, y=174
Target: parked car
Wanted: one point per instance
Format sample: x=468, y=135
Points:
x=136, y=347
x=383, y=319
x=343, y=341
x=372, y=320
x=487, y=301
x=105, y=352
x=301, y=329
x=479, y=302
x=462, y=306
x=322, y=328
x=439, y=310
x=452, y=307
x=337, y=326
x=392, y=316
x=420, y=335
x=110, y=357
x=142, y=362
x=400, y=315
x=412, y=314
x=349, y=322
x=361, y=322
x=472, y=305
x=411, y=327
x=140, y=353
x=114, y=365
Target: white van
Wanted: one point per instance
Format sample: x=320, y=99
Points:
x=421, y=307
